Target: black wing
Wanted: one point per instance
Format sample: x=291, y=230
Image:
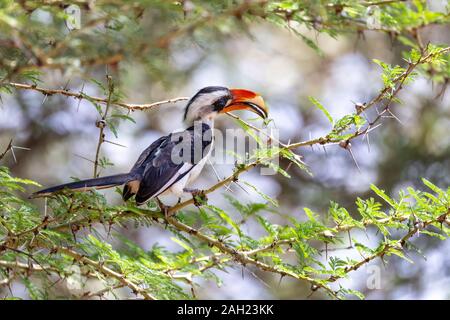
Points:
x=161, y=171
x=165, y=162
x=138, y=170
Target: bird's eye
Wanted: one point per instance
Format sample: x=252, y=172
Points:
x=221, y=103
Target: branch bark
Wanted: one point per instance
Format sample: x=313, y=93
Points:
x=82, y=95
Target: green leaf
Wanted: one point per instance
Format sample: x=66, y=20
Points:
x=382, y=195
x=112, y=127
x=432, y=186
x=123, y=116
x=224, y=216
x=99, y=84
x=322, y=108
x=310, y=214
x=182, y=244
x=270, y=228
x=250, y=131
x=263, y=195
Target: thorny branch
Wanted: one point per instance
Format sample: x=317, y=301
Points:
x=326, y=139
x=98, y=267
x=81, y=95
x=248, y=257
x=397, y=245
x=10, y=148
x=102, y=124
x=107, y=271
x=7, y=149
x=242, y=257
x=102, y=292
x=43, y=59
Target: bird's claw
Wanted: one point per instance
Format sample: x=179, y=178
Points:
x=198, y=196
x=165, y=209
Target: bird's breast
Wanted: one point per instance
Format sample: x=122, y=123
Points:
x=178, y=187
x=195, y=172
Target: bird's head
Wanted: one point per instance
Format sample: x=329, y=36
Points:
x=210, y=101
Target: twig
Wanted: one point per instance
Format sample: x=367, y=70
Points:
x=243, y=258
x=27, y=266
x=107, y=271
x=101, y=292
x=381, y=2
x=271, y=137
x=81, y=95
x=397, y=245
x=102, y=124
x=399, y=81
x=8, y=148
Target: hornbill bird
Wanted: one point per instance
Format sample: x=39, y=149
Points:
x=174, y=161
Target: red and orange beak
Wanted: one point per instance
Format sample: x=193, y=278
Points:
x=247, y=100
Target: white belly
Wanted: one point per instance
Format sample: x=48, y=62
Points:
x=178, y=187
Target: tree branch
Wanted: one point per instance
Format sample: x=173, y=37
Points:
x=81, y=95
x=102, y=124
x=107, y=271
x=397, y=245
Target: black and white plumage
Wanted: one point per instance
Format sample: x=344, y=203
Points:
x=156, y=170
x=174, y=161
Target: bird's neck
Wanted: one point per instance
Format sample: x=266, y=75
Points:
x=206, y=120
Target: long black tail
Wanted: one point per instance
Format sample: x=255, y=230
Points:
x=84, y=185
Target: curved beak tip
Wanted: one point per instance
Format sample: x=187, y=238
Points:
x=247, y=100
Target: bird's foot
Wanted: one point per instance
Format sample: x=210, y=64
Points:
x=199, y=196
x=165, y=209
